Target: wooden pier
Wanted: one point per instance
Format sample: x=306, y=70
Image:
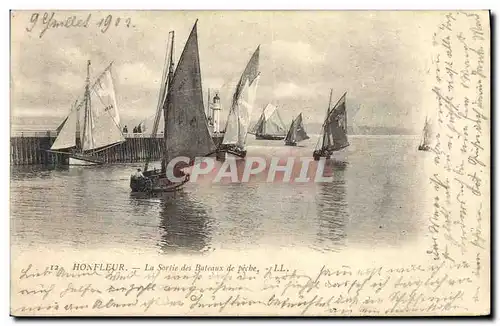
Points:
x=30, y=148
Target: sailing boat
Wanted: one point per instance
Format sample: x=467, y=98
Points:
x=186, y=131
x=334, y=130
x=297, y=133
x=426, y=137
x=101, y=123
x=235, y=132
x=270, y=125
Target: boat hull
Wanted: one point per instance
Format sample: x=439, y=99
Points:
x=269, y=137
x=225, y=150
x=73, y=161
x=155, y=184
x=218, y=138
x=339, y=155
x=73, y=158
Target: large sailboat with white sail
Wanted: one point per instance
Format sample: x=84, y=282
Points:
x=238, y=121
x=333, y=139
x=186, y=131
x=93, y=123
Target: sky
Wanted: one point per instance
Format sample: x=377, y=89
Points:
x=381, y=59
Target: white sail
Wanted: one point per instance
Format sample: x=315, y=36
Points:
x=269, y=110
x=242, y=105
x=270, y=122
x=246, y=104
x=239, y=117
x=105, y=89
x=232, y=125
x=67, y=135
x=274, y=124
x=226, y=99
x=102, y=128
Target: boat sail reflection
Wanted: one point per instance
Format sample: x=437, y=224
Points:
x=184, y=224
x=332, y=211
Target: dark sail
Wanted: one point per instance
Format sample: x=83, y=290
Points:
x=61, y=125
x=300, y=132
x=257, y=128
x=186, y=130
x=426, y=134
x=425, y=142
x=335, y=127
x=296, y=133
x=249, y=74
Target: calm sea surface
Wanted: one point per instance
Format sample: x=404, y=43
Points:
x=375, y=200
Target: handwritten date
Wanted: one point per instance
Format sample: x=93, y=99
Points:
x=48, y=21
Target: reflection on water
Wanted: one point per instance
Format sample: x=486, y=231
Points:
x=184, y=224
x=375, y=198
x=332, y=218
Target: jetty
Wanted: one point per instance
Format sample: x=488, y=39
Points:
x=30, y=148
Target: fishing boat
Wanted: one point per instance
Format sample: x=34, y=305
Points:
x=333, y=137
x=270, y=125
x=296, y=133
x=186, y=131
x=426, y=137
x=101, y=123
x=238, y=121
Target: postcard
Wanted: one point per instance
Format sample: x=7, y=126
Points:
x=250, y=163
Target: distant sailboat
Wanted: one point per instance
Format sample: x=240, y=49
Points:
x=186, y=129
x=334, y=130
x=426, y=137
x=296, y=133
x=270, y=125
x=235, y=132
x=101, y=123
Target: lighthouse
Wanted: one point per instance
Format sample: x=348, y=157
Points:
x=216, y=113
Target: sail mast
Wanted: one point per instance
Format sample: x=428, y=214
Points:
x=325, y=130
x=425, y=132
x=161, y=96
x=336, y=124
x=171, y=68
x=289, y=135
x=295, y=122
x=87, y=105
x=78, y=136
x=94, y=85
x=208, y=104
x=166, y=104
x=329, y=102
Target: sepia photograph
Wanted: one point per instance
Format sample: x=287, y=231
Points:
x=249, y=163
